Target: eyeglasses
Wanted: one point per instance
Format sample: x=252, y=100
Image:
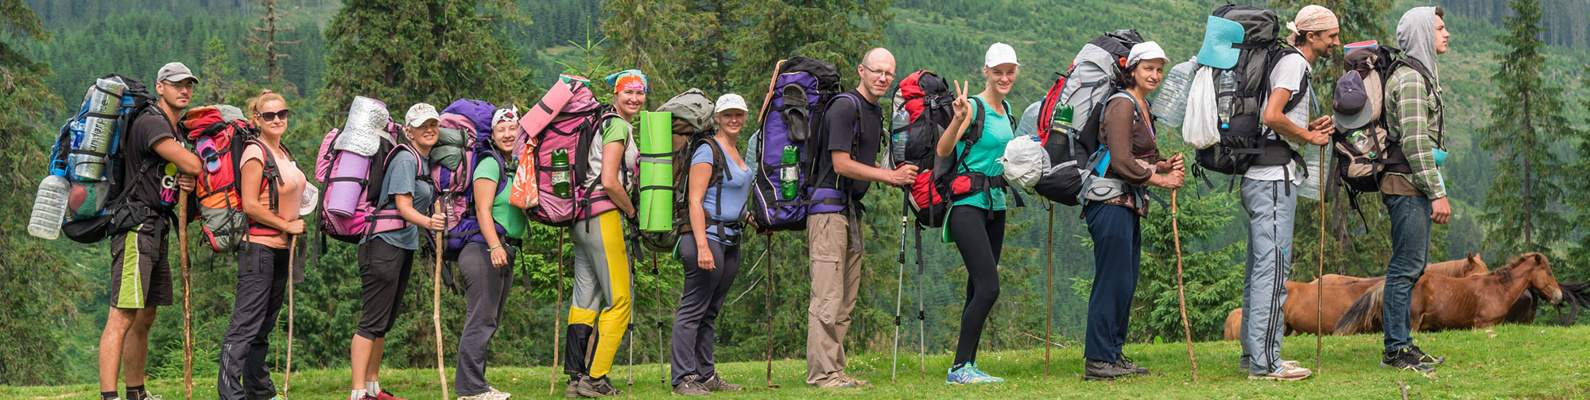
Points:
x=180, y=85
x=273, y=115
x=886, y=75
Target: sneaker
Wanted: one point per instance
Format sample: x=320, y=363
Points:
x=1287, y=373
x=385, y=395
x=1095, y=370
x=717, y=384
x=968, y=374
x=491, y=393
x=690, y=386
x=1404, y=359
x=1425, y=359
x=593, y=387
x=980, y=373
x=856, y=382
x=1126, y=363
x=1246, y=364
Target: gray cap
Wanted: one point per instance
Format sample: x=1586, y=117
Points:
x=175, y=72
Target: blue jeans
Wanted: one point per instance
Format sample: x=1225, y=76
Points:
x=1410, y=251
x=1117, y=255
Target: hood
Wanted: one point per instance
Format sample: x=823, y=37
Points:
x=1416, y=36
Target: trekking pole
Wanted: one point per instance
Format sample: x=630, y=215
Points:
x=187, y=294
x=1319, y=292
x=557, y=319
x=899, y=290
x=292, y=256
x=1048, y=302
x=1181, y=295
x=770, y=265
x=921, y=317
x=436, y=304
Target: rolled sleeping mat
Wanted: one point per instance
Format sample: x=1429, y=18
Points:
x=542, y=113
x=342, y=196
x=367, y=119
x=655, y=142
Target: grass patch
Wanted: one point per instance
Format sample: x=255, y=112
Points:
x=1511, y=361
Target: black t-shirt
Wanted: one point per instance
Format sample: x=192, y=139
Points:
x=840, y=128
x=156, y=185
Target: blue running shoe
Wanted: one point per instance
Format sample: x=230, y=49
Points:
x=980, y=373
x=967, y=375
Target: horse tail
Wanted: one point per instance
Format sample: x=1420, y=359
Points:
x=1364, y=315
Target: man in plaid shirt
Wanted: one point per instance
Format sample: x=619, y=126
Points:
x=1412, y=188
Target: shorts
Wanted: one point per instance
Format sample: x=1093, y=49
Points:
x=140, y=270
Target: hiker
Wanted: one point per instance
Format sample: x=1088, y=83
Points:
x=1269, y=194
x=719, y=186
x=263, y=259
x=601, y=261
x=1413, y=191
x=387, y=258
x=140, y=280
x=487, y=264
x=978, y=218
x=1113, y=218
x=853, y=132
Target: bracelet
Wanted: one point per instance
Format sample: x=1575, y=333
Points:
x=494, y=248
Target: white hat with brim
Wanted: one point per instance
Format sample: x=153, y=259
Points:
x=418, y=114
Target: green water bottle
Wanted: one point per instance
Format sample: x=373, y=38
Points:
x=560, y=173
x=1062, y=117
x=789, y=175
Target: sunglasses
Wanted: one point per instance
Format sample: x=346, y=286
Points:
x=273, y=115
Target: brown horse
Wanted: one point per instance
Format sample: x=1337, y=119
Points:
x=1340, y=291
x=1443, y=302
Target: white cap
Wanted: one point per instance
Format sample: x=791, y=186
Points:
x=730, y=101
x=999, y=53
x=1146, y=51
x=419, y=113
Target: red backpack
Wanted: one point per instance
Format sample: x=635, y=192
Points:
x=220, y=140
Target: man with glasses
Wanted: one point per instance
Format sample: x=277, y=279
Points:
x=852, y=128
x=158, y=165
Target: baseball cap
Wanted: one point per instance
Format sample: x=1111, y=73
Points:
x=419, y=113
x=999, y=53
x=175, y=72
x=730, y=101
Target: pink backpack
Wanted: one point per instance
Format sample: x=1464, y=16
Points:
x=561, y=154
x=353, y=185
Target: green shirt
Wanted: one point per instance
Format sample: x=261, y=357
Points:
x=502, y=212
x=984, y=157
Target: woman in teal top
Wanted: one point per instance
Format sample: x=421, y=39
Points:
x=977, y=217
x=487, y=263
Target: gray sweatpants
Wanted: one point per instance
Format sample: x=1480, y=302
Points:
x=1272, y=208
x=485, y=295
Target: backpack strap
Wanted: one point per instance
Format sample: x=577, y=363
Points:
x=822, y=169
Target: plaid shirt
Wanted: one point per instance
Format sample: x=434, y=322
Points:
x=1415, y=115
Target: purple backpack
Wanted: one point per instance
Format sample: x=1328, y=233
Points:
x=783, y=194
x=477, y=111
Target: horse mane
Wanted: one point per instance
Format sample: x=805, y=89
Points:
x=1504, y=274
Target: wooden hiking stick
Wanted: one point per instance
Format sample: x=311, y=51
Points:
x=557, y=320
x=436, y=304
x=1048, y=302
x=187, y=294
x=1319, y=292
x=292, y=257
x=770, y=265
x=1181, y=295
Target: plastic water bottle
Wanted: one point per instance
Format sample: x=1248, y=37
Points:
x=1360, y=140
x=49, y=208
x=789, y=174
x=1173, y=95
x=897, y=145
x=1225, y=93
x=560, y=174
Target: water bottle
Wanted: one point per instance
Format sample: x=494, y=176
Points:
x=49, y=208
x=1173, y=93
x=1225, y=93
x=1360, y=140
x=789, y=174
x=897, y=148
x=560, y=174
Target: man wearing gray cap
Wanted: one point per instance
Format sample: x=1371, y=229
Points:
x=158, y=165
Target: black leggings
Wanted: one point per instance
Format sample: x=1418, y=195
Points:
x=979, y=234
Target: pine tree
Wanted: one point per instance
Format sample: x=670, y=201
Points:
x=1579, y=197
x=264, y=45
x=1522, y=207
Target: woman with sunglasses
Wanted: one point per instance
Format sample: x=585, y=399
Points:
x=271, y=188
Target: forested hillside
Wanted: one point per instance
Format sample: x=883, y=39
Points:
x=721, y=46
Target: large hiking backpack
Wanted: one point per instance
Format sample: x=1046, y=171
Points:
x=1241, y=93
x=220, y=136
x=1363, y=154
x=452, y=164
x=923, y=109
x=479, y=112
x=1080, y=94
x=354, y=173
x=695, y=108
x=801, y=91
x=89, y=152
x=562, y=157
x=525, y=192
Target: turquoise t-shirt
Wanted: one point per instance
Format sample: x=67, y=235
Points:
x=503, y=213
x=984, y=156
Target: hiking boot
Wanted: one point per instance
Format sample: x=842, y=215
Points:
x=856, y=382
x=1287, y=373
x=1404, y=359
x=1247, y=365
x=385, y=395
x=1095, y=370
x=592, y=387
x=717, y=384
x=689, y=386
x=1126, y=363
x=1425, y=359
x=569, y=390
x=967, y=374
x=842, y=381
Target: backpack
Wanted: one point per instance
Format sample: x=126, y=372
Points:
x=1080, y=94
x=354, y=174
x=89, y=152
x=478, y=112
x=562, y=158
x=1364, y=154
x=924, y=108
x=695, y=108
x=1242, y=92
x=220, y=140
x=525, y=192
x=783, y=194
x=452, y=166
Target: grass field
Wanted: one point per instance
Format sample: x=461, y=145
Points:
x=1510, y=361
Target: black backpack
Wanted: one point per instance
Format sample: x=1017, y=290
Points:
x=1242, y=136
